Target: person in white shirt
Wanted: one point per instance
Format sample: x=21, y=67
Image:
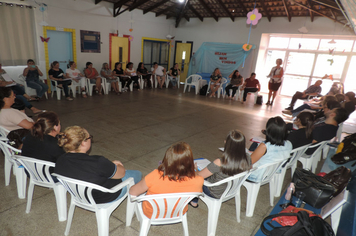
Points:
x=160, y=73
x=77, y=77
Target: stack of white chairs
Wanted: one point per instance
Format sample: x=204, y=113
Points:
x=167, y=209
x=40, y=175
x=193, y=80
x=81, y=196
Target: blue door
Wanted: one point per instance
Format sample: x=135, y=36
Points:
x=60, y=48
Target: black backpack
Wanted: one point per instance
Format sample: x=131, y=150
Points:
x=203, y=90
x=306, y=226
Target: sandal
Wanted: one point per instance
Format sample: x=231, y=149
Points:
x=193, y=206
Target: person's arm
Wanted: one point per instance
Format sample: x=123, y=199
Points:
x=258, y=153
x=39, y=71
x=103, y=74
x=178, y=71
x=164, y=71
x=170, y=73
x=53, y=78
x=95, y=72
x=205, y=173
x=139, y=188
x=25, y=71
x=242, y=82
x=86, y=73
x=230, y=76
x=258, y=87
x=120, y=170
x=4, y=83
x=25, y=124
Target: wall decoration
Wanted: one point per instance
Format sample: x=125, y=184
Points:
x=253, y=16
x=44, y=39
x=303, y=30
x=247, y=47
x=131, y=29
x=90, y=41
x=131, y=38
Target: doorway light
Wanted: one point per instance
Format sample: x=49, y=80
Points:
x=181, y=1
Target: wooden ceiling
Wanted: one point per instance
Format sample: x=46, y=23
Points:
x=231, y=8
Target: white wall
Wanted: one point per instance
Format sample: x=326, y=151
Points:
x=237, y=32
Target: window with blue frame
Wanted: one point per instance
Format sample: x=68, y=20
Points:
x=155, y=51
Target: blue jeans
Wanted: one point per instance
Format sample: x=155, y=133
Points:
x=24, y=100
x=206, y=191
x=18, y=89
x=135, y=174
x=40, y=87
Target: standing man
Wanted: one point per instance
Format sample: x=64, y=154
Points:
x=313, y=90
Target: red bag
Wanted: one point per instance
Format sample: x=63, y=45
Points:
x=291, y=220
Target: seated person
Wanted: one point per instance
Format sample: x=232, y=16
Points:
x=146, y=76
x=73, y=73
x=215, y=81
x=234, y=160
x=91, y=73
x=110, y=78
x=119, y=72
x=235, y=82
x=320, y=117
x=275, y=148
x=77, y=164
x=350, y=102
x=19, y=91
x=336, y=88
x=130, y=71
x=32, y=74
x=251, y=85
x=12, y=119
x=328, y=129
x=173, y=74
x=303, y=135
x=57, y=74
x=42, y=142
x=313, y=90
x=176, y=174
x=160, y=73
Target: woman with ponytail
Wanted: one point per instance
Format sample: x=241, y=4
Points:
x=302, y=136
x=42, y=142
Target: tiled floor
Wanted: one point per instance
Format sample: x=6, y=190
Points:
x=137, y=128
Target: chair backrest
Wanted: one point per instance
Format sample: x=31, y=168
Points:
x=167, y=207
x=3, y=133
x=8, y=150
x=339, y=132
x=233, y=184
x=319, y=147
x=37, y=169
x=193, y=78
x=269, y=170
x=296, y=154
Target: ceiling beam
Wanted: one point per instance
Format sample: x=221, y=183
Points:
x=226, y=10
x=315, y=11
x=181, y=11
x=310, y=12
x=154, y=6
x=120, y=12
x=265, y=10
x=287, y=12
x=243, y=7
x=332, y=13
x=117, y=7
x=208, y=9
x=195, y=12
x=327, y=5
x=165, y=10
x=186, y=18
x=97, y=1
x=137, y=4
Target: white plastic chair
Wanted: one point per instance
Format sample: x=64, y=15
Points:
x=81, y=196
x=10, y=163
x=3, y=133
x=169, y=207
x=254, y=187
x=232, y=191
x=156, y=82
x=310, y=162
x=130, y=86
x=58, y=91
x=90, y=86
x=292, y=163
x=30, y=91
x=221, y=88
x=39, y=175
x=74, y=87
x=142, y=82
x=237, y=94
x=169, y=80
x=254, y=93
x=193, y=80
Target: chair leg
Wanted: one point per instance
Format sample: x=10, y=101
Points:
x=70, y=218
x=74, y=91
x=7, y=169
x=185, y=86
x=272, y=189
x=61, y=199
x=21, y=180
x=252, y=193
x=145, y=227
x=102, y=218
x=29, y=197
x=130, y=210
x=213, y=216
x=58, y=93
x=185, y=225
x=238, y=205
x=279, y=182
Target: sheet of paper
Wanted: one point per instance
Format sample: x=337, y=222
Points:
x=201, y=163
x=257, y=139
x=7, y=78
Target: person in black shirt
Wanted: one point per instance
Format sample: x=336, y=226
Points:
x=173, y=74
x=57, y=74
x=119, y=72
x=77, y=164
x=303, y=135
x=146, y=75
x=350, y=102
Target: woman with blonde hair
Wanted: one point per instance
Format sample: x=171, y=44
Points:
x=77, y=164
x=110, y=77
x=215, y=79
x=176, y=174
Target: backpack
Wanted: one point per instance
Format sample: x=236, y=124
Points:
x=306, y=226
x=259, y=100
x=203, y=90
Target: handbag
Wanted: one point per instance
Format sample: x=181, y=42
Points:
x=339, y=177
x=306, y=226
x=318, y=190
x=348, y=152
x=291, y=220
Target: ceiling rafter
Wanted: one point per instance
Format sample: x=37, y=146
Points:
x=181, y=12
x=265, y=11
x=286, y=9
x=208, y=9
x=161, y=3
x=327, y=5
x=165, y=10
x=195, y=12
x=117, y=7
x=137, y=4
x=241, y=5
x=226, y=10
x=332, y=13
x=311, y=12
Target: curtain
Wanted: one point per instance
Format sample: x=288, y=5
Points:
x=225, y=56
x=17, y=35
